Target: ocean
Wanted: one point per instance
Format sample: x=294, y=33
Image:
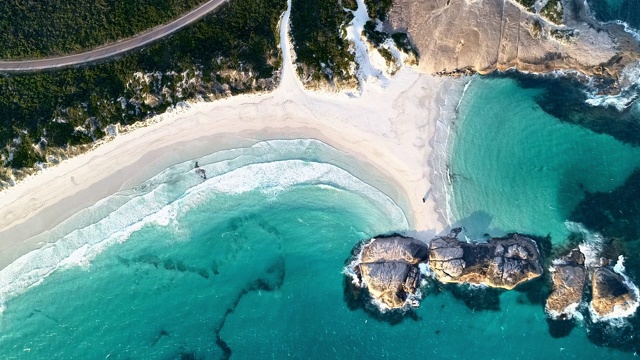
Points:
x=626, y=11
x=517, y=168
x=530, y=154
x=240, y=254
x=248, y=263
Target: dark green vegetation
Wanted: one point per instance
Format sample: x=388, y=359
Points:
x=317, y=33
x=39, y=28
x=553, y=11
x=527, y=3
x=536, y=29
x=231, y=51
x=349, y=4
x=378, y=9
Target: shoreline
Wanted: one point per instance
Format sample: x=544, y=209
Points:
x=388, y=141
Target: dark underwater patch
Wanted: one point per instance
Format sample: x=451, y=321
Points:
x=272, y=280
x=628, y=11
x=564, y=98
x=625, y=338
x=560, y=328
x=166, y=264
x=534, y=291
x=616, y=216
x=476, y=298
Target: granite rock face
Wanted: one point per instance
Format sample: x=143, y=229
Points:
x=389, y=268
x=395, y=249
x=460, y=36
x=610, y=293
x=569, y=279
x=501, y=262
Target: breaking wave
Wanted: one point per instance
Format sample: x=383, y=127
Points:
x=269, y=167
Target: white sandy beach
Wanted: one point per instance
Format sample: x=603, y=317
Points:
x=387, y=130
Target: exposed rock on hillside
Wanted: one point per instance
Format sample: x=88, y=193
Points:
x=501, y=262
x=458, y=36
x=569, y=278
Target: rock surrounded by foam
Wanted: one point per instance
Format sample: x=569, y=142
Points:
x=388, y=267
x=569, y=278
x=611, y=294
x=501, y=262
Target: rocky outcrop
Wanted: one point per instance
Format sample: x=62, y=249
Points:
x=610, y=293
x=501, y=262
x=569, y=277
x=388, y=267
x=458, y=36
x=394, y=249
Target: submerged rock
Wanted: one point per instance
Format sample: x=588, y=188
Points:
x=388, y=268
x=569, y=278
x=611, y=294
x=501, y=262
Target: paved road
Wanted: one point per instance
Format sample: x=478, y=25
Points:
x=114, y=48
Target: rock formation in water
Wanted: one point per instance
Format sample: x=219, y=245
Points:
x=388, y=267
x=569, y=277
x=458, y=36
x=501, y=262
x=610, y=293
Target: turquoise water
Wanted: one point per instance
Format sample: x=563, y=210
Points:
x=514, y=167
x=246, y=265
x=612, y=10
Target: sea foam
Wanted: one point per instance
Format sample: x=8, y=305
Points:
x=269, y=167
x=618, y=315
x=629, y=80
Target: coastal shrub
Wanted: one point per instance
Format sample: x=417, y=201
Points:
x=553, y=11
x=404, y=43
x=228, y=52
x=36, y=28
x=349, y=4
x=378, y=9
x=317, y=33
x=527, y=3
x=25, y=154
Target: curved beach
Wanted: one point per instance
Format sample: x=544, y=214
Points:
x=386, y=130
x=389, y=139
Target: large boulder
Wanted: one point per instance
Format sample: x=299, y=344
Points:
x=390, y=282
x=388, y=268
x=611, y=296
x=501, y=262
x=452, y=36
x=394, y=248
x=569, y=277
